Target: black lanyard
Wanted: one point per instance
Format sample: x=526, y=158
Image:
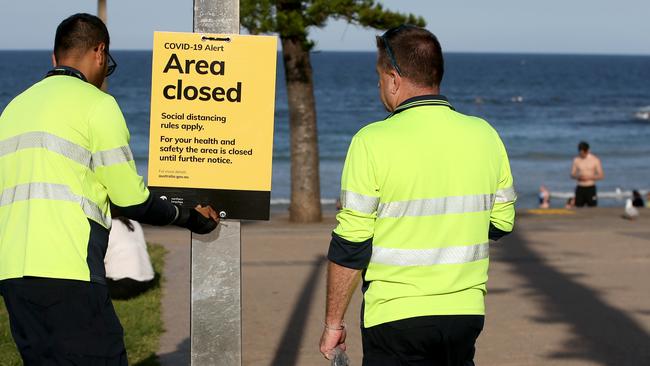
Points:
x=68, y=71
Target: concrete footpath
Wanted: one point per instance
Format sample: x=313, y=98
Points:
x=564, y=289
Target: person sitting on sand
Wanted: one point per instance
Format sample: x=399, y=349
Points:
x=128, y=268
x=570, y=203
x=637, y=201
x=586, y=169
x=544, y=197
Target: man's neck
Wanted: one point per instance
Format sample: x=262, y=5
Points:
x=79, y=63
x=412, y=91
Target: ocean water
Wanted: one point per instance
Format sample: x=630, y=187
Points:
x=541, y=105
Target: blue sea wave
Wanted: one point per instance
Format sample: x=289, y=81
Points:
x=643, y=114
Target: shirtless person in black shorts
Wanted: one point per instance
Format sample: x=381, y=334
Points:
x=586, y=169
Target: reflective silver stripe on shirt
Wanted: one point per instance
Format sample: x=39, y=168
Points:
x=506, y=195
x=72, y=151
x=429, y=257
x=437, y=206
x=50, y=191
x=118, y=155
x=359, y=202
x=48, y=141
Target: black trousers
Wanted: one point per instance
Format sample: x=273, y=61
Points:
x=63, y=322
x=440, y=340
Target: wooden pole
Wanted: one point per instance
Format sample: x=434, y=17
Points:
x=216, y=257
x=101, y=10
x=102, y=14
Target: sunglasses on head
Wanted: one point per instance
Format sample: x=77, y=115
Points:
x=389, y=50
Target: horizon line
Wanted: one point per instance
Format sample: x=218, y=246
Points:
x=533, y=53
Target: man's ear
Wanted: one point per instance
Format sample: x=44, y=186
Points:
x=100, y=54
x=395, y=81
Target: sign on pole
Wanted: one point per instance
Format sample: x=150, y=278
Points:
x=211, y=132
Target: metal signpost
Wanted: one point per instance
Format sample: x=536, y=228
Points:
x=216, y=258
x=216, y=296
x=211, y=142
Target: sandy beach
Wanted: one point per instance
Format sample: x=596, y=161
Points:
x=568, y=288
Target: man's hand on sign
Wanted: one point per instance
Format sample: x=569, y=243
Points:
x=207, y=221
x=199, y=220
x=208, y=212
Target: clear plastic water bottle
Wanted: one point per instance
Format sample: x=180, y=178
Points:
x=339, y=357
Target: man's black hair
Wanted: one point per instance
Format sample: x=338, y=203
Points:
x=417, y=53
x=80, y=32
x=583, y=146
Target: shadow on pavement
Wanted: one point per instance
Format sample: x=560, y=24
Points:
x=180, y=357
x=289, y=347
x=600, y=332
x=152, y=360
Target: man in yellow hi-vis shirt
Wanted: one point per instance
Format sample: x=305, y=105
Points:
x=423, y=191
x=64, y=159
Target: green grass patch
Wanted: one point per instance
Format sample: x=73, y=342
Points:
x=140, y=317
x=8, y=354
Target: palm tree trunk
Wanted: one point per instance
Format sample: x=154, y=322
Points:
x=305, y=180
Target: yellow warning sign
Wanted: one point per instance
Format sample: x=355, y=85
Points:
x=212, y=106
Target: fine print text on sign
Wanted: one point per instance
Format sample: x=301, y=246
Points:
x=211, y=132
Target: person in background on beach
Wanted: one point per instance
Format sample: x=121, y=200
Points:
x=544, y=197
x=637, y=200
x=422, y=193
x=65, y=160
x=586, y=170
x=570, y=203
x=128, y=267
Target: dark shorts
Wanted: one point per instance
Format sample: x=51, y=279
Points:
x=586, y=196
x=63, y=322
x=430, y=340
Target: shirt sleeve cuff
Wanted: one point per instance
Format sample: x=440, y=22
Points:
x=350, y=254
x=495, y=233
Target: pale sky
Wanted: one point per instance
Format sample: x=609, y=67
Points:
x=550, y=26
